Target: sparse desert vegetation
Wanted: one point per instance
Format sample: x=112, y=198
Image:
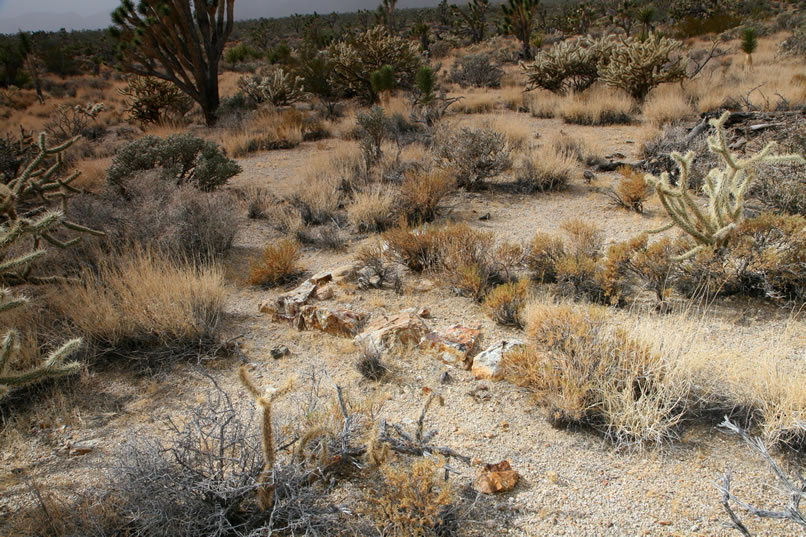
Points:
x=447, y=271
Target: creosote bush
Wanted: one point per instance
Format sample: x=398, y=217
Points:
x=183, y=158
x=586, y=370
x=278, y=264
x=373, y=209
x=422, y=192
x=631, y=191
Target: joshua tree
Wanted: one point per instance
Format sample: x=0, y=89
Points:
x=520, y=18
x=180, y=41
x=749, y=44
x=474, y=18
x=386, y=14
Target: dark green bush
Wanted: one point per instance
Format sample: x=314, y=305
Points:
x=183, y=157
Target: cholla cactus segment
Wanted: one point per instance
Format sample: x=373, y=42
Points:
x=726, y=188
x=278, y=88
x=637, y=66
x=571, y=65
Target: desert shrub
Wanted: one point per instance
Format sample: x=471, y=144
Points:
x=702, y=24
x=373, y=209
x=374, y=127
x=421, y=193
x=475, y=154
x=794, y=45
x=544, y=170
x=270, y=129
x=631, y=191
x=278, y=264
x=180, y=221
x=373, y=271
x=183, y=158
x=576, y=148
x=781, y=188
x=597, y=106
x=569, y=66
x=636, y=66
x=637, y=262
x=584, y=370
x=542, y=256
x=478, y=70
x=151, y=100
x=257, y=201
x=369, y=363
x=146, y=302
x=241, y=52
x=418, y=248
x=317, y=199
x=505, y=304
x=674, y=138
x=411, y=499
x=276, y=87
x=354, y=60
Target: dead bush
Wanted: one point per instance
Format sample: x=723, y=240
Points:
x=505, y=304
x=475, y=154
x=369, y=363
x=422, y=192
x=179, y=221
x=142, y=301
x=636, y=262
x=373, y=271
x=416, y=248
x=478, y=70
x=781, y=188
x=542, y=256
x=584, y=370
x=412, y=500
x=279, y=264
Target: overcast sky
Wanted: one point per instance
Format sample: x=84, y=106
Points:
x=83, y=14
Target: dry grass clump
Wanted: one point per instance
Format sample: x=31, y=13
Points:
x=667, y=104
x=517, y=131
x=474, y=103
x=585, y=370
x=142, y=300
x=631, y=191
x=543, y=170
x=373, y=209
x=637, y=262
x=422, y=192
x=279, y=264
x=411, y=500
x=543, y=104
x=267, y=130
x=317, y=197
x=576, y=148
x=597, y=106
x=505, y=303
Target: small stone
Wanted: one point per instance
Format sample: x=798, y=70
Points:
x=279, y=352
x=321, y=278
x=424, y=313
x=288, y=305
x=343, y=273
x=324, y=293
x=485, y=217
x=82, y=448
x=445, y=377
x=404, y=329
x=589, y=176
x=423, y=286
x=487, y=364
x=498, y=477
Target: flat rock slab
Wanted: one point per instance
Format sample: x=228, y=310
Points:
x=337, y=322
x=487, y=364
x=385, y=334
x=451, y=345
x=288, y=305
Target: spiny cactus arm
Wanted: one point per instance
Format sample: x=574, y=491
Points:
x=53, y=367
x=10, y=301
x=82, y=229
x=60, y=244
x=19, y=261
x=9, y=346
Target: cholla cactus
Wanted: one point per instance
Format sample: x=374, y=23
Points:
x=37, y=185
x=637, y=66
x=568, y=66
x=725, y=189
x=353, y=61
x=71, y=121
x=278, y=88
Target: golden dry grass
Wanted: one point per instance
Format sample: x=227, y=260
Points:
x=517, y=129
x=268, y=129
x=597, y=106
x=667, y=104
x=544, y=169
x=142, y=298
x=373, y=209
x=543, y=103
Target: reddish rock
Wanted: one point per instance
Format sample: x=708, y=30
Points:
x=496, y=478
x=338, y=322
x=404, y=329
x=451, y=345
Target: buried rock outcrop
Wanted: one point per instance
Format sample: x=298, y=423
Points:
x=405, y=329
x=488, y=363
x=451, y=345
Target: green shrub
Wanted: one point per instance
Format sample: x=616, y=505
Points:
x=151, y=100
x=240, y=53
x=185, y=158
x=478, y=70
